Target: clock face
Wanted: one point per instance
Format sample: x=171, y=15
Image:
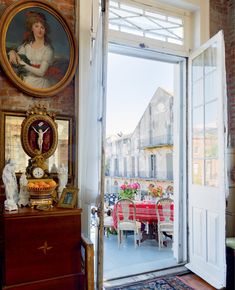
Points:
x=38, y=172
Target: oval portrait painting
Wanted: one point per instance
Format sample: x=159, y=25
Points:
x=38, y=52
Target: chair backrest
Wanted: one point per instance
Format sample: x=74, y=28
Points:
x=165, y=210
x=125, y=210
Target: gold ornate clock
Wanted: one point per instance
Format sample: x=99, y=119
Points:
x=39, y=140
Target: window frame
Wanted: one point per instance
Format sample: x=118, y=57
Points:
x=162, y=46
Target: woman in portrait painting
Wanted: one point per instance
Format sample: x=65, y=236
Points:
x=34, y=56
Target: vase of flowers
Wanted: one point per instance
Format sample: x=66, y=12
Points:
x=128, y=190
x=155, y=191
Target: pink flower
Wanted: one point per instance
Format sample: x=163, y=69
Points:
x=135, y=185
x=128, y=190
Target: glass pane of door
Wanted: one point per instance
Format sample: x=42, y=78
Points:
x=207, y=173
x=204, y=119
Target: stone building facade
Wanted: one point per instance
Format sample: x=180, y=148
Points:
x=146, y=155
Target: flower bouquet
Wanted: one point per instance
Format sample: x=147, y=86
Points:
x=155, y=191
x=128, y=190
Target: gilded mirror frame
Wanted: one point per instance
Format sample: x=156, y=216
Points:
x=22, y=115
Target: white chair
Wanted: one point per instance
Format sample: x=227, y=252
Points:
x=126, y=219
x=165, y=216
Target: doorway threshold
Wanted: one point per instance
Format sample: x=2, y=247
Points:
x=179, y=269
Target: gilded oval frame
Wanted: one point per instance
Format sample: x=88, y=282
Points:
x=26, y=128
x=10, y=17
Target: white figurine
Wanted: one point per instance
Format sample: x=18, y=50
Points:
x=63, y=179
x=40, y=136
x=24, y=195
x=53, y=168
x=10, y=183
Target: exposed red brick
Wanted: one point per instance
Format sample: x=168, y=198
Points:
x=222, y=17
x=68, y=9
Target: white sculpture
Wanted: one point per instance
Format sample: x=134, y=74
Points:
x=40, y=137
x=63, y=179
x=10, y=183
x=53, y=168
x=24, y=194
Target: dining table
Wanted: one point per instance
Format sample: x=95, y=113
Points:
x=145, y=212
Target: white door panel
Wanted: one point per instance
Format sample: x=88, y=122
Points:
x=206, y=190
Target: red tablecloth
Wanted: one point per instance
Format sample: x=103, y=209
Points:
x=145, y=212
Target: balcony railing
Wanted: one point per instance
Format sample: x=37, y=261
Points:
x=157, y=141
x=160, y=175
x=120, y=174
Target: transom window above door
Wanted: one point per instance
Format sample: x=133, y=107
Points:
x=149, y=23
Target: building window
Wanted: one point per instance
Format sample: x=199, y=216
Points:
x=138, y=166
x=116, y=167
x=133, y=166
x=169, y=166
x=125, y=167
x=152, y=166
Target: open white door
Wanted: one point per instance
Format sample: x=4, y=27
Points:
x=207, y=179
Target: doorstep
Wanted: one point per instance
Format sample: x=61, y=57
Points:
x=178, y=270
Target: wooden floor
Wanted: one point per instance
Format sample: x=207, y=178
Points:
x=195, y=282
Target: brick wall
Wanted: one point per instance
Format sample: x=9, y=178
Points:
x=222, y=16
x=218, y=16
x=14, y=100
x=230, y=58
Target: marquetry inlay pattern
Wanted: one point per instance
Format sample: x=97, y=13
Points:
x=45, y=248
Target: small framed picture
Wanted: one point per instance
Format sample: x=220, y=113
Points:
x=68, y=198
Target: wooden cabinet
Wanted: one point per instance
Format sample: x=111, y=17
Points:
x=42, y=249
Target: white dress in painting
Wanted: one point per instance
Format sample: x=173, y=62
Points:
x=40, y=60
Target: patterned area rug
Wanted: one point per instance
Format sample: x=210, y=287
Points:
x=169, y=283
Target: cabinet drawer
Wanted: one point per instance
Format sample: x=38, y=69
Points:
x=71, y=282
x=38, y=248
